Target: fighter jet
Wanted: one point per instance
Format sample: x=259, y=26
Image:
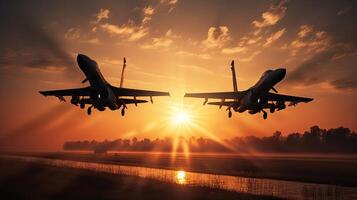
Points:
x=256, y=98
x=101, y=94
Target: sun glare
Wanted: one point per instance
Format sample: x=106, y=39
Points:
x=181, y=177
x=181, y=118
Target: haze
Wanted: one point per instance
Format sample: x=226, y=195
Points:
x=176, y=46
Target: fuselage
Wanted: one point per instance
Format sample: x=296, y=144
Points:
x=255, y=98
x=102, y=95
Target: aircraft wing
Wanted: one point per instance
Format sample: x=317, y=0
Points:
x=217, y=95
x=224, y=103
x=68, y=92
x=135, y=92
x=282, y=97
x=132, y=101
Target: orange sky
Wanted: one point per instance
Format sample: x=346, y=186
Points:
x=175, y=46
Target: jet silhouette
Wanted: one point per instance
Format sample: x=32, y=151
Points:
x=100, y=94
x=256, y=98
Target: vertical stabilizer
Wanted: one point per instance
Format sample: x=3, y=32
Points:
x=122, y=73
x=235, y=86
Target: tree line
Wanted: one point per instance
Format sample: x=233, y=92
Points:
x=315, y=140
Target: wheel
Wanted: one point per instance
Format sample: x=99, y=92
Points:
x=82, y=105
x=272, y=109
x=89, y=111
x=123, y=112
x=265, y=115
x=229, y=114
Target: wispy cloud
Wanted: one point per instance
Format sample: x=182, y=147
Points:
x=274, y=37
x=128, y=31
x=310, y=41
x=217, y=37
x=148, y=12
x=274, y=14
x=324, y=52
x=102, y=14
x=196, y=68
x=250, y=57
x=75, y=34
x=190, y=54
x=72, y=34
x=160, y=42
x=170, y=3
x=131, y=31
x=233, y=50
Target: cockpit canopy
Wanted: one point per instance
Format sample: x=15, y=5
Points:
x=267, y=72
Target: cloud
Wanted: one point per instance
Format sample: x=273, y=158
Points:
x=217, y=37
x=233, y=50
x=94, y=41
x=75, y=34
x=310, y=41
x=321, y=68
x=251, y=57
x=131, y=31
x=161, y=42
x=27, y=43
x=272, y=16
x=102, y=14
x=148, y=12
x=259, y=37
x=329, y=55
x=343, y=11
x=72, y=34
x=190, y=54
x=128, y=31
x=304, y=31
x=274, y=37
x=196, y=68
x=344, y=84
x=170, y=3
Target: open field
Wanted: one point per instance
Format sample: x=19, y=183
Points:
x=336, y=170
x=22, y=180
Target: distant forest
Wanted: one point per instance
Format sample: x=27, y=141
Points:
x=316, y=140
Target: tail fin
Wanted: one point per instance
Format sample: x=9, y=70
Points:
x=235, y=86
x=122, y=73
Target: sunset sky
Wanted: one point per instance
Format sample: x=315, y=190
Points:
x=176, y=46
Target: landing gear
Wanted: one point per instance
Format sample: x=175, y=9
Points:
x=265, y=115
x=272, y=109
x=82, y=104
x=229, y=113
x=89, y=111
x=122, y=111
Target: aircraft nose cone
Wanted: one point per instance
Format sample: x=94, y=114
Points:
x=280, y=73
x=82, y=60
x=283, y=71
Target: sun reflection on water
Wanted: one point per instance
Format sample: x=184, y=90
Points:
x=181, y=177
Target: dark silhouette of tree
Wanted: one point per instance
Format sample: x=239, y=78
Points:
x=316, y=140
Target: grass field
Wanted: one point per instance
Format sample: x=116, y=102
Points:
x=21, y=180
x=337, y=170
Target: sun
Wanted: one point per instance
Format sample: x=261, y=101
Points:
x=181, y=176
x=180, y=118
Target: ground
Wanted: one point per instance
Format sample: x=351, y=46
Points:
x=21, y=180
